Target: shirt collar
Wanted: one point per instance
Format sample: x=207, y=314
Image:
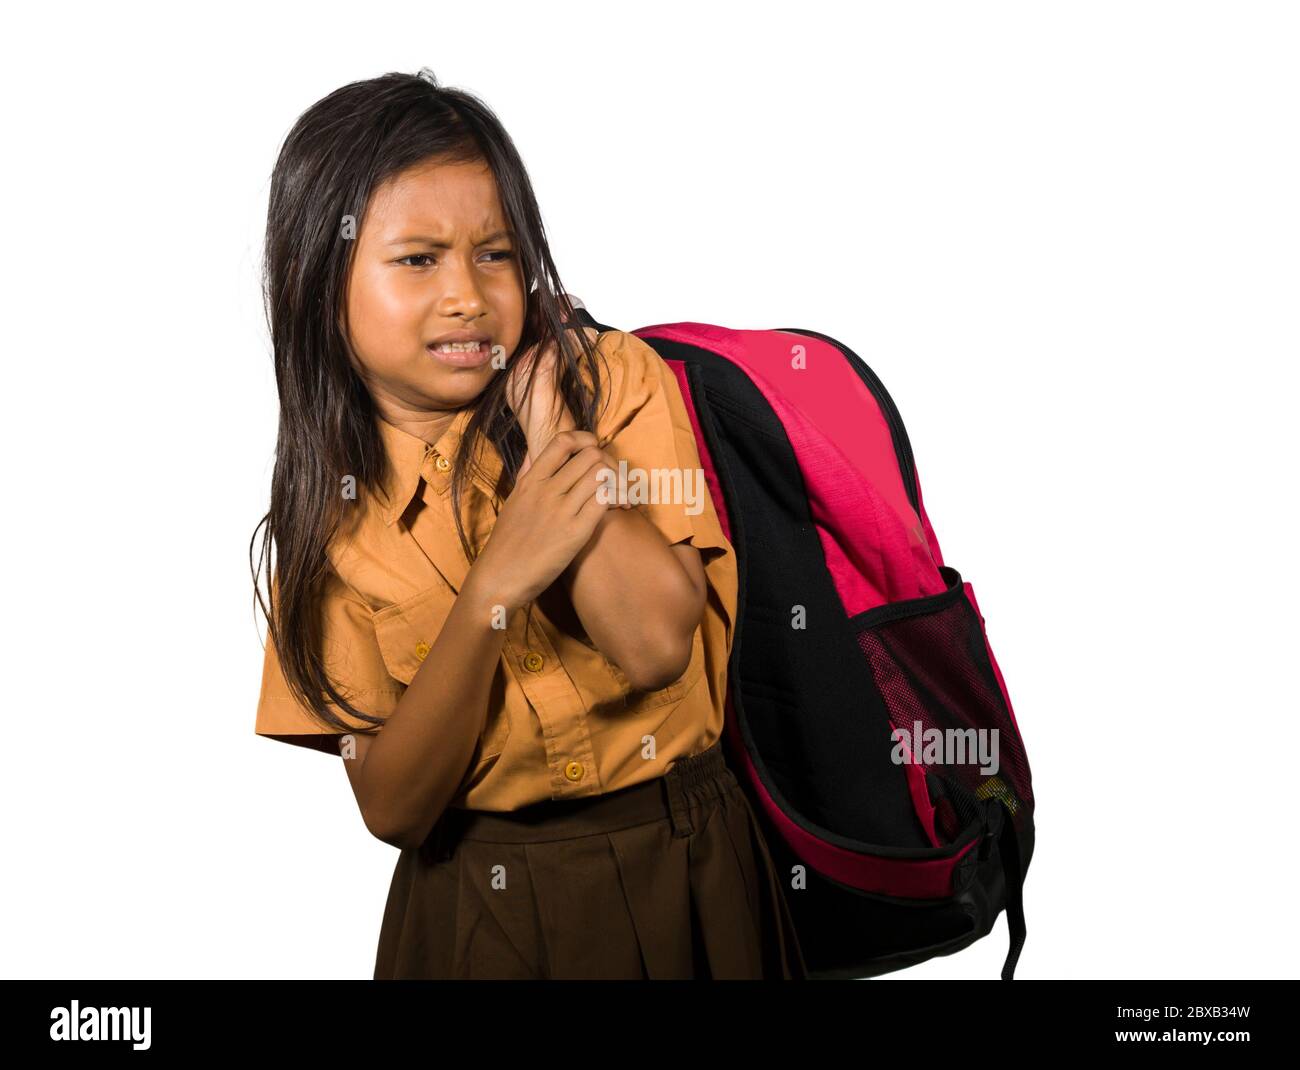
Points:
x=410, y=459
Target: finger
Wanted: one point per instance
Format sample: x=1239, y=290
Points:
x=562, y=446
x=582, y=465
x=597, y=478
x=591, y=488
x=590, y=511
x=613, y=467
x=617, y=489
x=605, y=460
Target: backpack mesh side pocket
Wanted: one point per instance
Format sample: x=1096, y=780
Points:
x=930, y=663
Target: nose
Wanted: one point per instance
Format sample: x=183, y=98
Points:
x=460, y=293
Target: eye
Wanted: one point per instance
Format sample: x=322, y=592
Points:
x=505, y=254
x=414, y=256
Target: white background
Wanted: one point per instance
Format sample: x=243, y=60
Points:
x=1064, y=235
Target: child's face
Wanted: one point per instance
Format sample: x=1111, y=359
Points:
x=433, y=256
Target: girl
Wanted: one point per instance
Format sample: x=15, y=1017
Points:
x=525, y=675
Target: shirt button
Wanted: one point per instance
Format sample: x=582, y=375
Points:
x=574, y=770
x=421, y=649
x=534, y=661
x=442, y=464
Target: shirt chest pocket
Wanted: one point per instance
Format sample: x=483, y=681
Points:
x=648, y=700
x=406, y=632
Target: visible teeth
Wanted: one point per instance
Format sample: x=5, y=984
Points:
x=458, y=347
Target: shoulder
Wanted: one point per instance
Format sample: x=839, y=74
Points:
x=628, y=351
x=631, y=372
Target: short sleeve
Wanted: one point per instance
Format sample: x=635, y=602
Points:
x=354, y=665
x=645, y=423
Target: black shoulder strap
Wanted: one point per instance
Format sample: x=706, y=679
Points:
x=1013, y=870
x=585, y=318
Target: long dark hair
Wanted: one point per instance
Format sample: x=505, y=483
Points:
x=337, y=154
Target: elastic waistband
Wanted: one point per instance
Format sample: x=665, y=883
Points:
x=701, y=775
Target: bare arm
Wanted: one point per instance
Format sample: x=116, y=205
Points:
x=639, y=599
x=405, y=775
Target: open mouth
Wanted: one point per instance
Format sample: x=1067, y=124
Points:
x=461, y=354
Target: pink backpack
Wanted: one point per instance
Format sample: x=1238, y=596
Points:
x=867, y=718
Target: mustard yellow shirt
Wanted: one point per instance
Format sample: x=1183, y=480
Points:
x=563, y=721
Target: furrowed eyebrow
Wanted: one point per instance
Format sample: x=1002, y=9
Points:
x=434, y=243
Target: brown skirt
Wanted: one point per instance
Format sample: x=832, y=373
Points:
x=670, y=878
